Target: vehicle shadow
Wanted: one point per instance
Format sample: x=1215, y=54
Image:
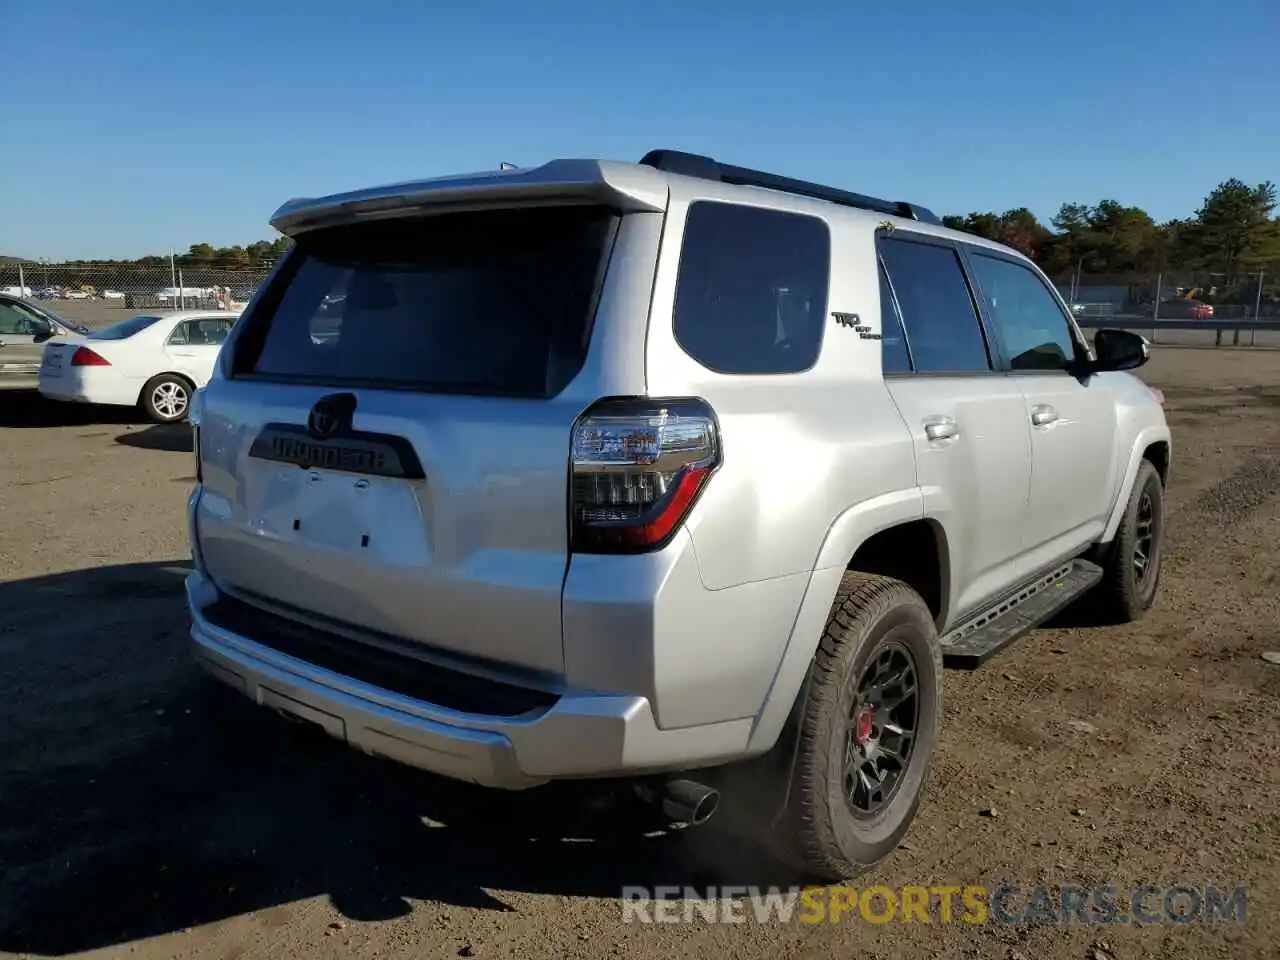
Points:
x=140, y=799
x=22, y=407
x=170, y=437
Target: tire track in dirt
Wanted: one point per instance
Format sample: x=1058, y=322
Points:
x=1251, y=485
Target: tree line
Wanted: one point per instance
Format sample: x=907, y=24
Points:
x=253, y=257
x=1231, y=240
x=1225, y=247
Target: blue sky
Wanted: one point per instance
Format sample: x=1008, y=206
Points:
x=132, y=127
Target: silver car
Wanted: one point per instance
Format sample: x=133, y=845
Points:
x=25, y=328
x=601, y=469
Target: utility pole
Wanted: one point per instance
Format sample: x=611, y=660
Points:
x=1076, y=277
x=1155, y=310
x=1257, y=305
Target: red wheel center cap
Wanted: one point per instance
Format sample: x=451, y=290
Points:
x=862, y=726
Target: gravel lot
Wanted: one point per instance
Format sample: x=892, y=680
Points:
x=142, y=816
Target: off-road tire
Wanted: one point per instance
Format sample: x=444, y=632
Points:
x=1121, y=597
x=149, y=399
x=818, y=832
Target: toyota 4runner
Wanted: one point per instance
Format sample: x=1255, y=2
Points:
x=609, y=470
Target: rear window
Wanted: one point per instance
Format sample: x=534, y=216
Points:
x=124, y=329
x=752, y=290
x=489, y=302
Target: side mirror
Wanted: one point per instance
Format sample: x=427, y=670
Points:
x=1119, y=350
x=44, y=333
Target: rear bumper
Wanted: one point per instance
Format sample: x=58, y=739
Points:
x=584, y=734
x=61, y=388
x=89, y=385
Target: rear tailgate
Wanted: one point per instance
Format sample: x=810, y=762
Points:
x=57, y=356
x=388, y=448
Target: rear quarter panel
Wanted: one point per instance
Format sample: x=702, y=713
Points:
x=139, y=358
x=813, y=463
x=799, y=449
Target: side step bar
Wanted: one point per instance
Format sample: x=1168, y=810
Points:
x=981, y=637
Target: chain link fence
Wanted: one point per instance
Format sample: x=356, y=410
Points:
x=99, y=293
x=1174, y=295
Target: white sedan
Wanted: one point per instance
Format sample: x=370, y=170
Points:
x=155, y=362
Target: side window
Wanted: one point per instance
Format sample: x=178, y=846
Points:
x=938, y=314
x=13, y=321
x=36, y=324
x=895, y=356
x=210, y=331
x=181, y=335
x=1032, y=328
x=751, y=295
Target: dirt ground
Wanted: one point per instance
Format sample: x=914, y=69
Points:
x=142, y=816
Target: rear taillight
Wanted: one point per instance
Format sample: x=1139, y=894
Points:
x=84, y=357
x=638, y=468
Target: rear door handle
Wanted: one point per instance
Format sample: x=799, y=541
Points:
x=940, y=428
x=1043, y=415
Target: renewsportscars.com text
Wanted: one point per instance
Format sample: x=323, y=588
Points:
x=939, y=904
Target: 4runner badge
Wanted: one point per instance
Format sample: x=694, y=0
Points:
x=853, y=320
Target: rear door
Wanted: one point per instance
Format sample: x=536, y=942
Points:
x=386, y=444
x=193, y=346
x=973, y=449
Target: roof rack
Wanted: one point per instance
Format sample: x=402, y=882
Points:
x=705, y=168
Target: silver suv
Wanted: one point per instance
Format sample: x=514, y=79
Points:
x=609, y=470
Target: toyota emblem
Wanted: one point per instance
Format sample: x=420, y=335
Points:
x=331, y=415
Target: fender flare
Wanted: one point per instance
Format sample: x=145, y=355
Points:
x=1145, y=438
x=847, y=532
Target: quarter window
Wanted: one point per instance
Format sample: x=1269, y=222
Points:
x=1032, y=328
x=751, y=295
x=937, y=308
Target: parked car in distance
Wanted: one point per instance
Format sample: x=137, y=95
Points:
x=1180, y=308
x=634, y=471
x=177, y=293
x=25, y=328
x=155, y=362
